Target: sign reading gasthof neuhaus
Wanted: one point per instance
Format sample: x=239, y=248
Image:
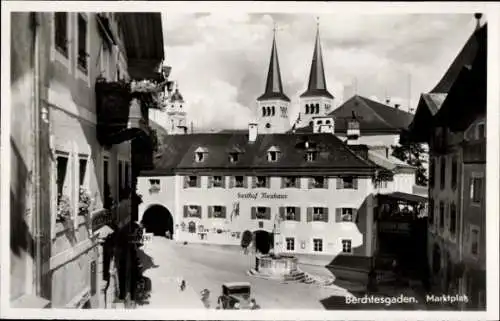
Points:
x=261, y=195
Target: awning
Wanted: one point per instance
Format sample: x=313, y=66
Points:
x=405, y=197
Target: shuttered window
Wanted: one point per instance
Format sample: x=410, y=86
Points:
x=347, y=182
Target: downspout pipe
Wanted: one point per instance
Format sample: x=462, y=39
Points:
x=37, y=231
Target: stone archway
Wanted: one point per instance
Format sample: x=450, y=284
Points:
x=157, y=219
x=263, y=241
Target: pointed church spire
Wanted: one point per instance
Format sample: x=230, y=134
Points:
x=317, y=80
x=274, y=86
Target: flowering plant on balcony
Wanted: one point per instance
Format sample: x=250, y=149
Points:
x=146, y=86
x=84, y=201
x=63, y=209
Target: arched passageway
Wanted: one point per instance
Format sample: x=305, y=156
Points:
x=263, y=241
x=158, y=220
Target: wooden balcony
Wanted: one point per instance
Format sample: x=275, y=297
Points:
x=474, y=152
x=120, y=115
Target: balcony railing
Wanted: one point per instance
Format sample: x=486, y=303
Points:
x=474, y=152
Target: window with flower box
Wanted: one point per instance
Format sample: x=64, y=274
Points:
x=318, y=182
x=216, y=211
x=290, y=213
x=238, y=182
x=290, y=182
x=261, y=213
x=261, y=182
x=345, y=214
x=192, y=211
x=192, y=181
x=317, y=214
x=216, y=181
x=61, y=32
x=82, y=44
x=347, y=182
x=290, y=244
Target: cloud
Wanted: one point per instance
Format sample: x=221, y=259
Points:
x=221, y=60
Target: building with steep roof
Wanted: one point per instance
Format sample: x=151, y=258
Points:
x=455, y=129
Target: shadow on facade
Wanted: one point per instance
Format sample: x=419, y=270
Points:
x=21, y=239
x=158, y=220
x=263, y=241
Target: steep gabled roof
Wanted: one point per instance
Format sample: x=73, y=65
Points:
x=464, y=57
x=177, y=154
x=373, y=116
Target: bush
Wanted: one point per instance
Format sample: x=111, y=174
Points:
x=246, y=239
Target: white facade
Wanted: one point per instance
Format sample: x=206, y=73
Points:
x=173, y=195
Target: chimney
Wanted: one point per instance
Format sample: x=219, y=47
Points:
x=387, y=101
x=397, y=106
x=478, y=17
x=252, y=132
x=323, y=125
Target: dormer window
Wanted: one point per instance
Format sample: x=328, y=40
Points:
x=320, y=122
x=233, y=157
x=311, y=156
x=200, y=154
x=273, y=154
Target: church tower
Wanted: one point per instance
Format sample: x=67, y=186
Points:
x=273, y=105
x=316, y=101
x=176, y=114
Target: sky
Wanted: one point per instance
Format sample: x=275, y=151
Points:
x=220, y=61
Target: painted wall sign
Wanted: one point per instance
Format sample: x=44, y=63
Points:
x=393, y=227
x=261, y=195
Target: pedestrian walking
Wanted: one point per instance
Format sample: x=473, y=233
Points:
x=183, y=285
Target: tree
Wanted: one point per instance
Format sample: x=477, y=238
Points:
x=246, y=239
x=411, y=153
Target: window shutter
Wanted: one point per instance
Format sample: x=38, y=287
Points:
x=223, y=211
x=311, y=182
x=355, y=215
x=268, y=213
x=254, y=213
x=297, y=214
x=355, y=183
x=283, y=182
x=185, y=211
x=254, y=181
x=245, y=181
x=298, y=182
x=210, y=211
x=309, y=214
x=210, y=181
x=198, y=181
x=232, y=180
x=325, y=216
x=224, y=181
x=338, y=214
x=339, y=182
x=199, y=211
x=186, y=180
x=282, y=212
x=268, y=181
x=325, y=182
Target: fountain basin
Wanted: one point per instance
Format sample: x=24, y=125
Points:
x=276, y=265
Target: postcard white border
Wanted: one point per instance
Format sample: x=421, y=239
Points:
x=492, y=12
